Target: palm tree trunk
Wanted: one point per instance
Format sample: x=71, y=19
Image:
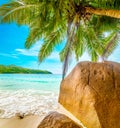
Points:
x=70, y=38
x=103, y=12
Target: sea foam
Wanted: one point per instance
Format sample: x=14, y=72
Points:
x=27, y=102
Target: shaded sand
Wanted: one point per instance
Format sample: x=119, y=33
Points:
x=31, y=121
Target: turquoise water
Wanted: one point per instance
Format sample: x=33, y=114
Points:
x=28, y=93
x=46, y=82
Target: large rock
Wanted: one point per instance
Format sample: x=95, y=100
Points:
x=57, y=120
x=91, y=92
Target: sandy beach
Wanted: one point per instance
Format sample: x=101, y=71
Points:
x=32, y=95
x=35, y=99
x=31, y=121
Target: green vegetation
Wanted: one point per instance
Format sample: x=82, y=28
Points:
x=16, y=69
x=83, y=23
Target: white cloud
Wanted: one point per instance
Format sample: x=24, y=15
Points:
x=27, y=52
x=9, y=55
x=35, y=50
x=30, y=52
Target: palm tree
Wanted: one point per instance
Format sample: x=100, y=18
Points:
x=110, y=44
x=83, y=23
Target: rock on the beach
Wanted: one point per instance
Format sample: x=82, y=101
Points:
x=57, y=120
x=91, y=92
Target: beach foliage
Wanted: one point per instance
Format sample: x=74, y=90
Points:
x=20, y=70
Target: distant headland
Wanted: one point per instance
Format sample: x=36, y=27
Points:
x=20, y=70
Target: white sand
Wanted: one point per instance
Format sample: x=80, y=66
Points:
x=27, y=122
x=28, y=102
x=32, y=121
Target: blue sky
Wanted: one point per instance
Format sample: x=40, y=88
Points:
x=12, y=51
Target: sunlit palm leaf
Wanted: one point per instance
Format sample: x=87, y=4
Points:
x=16, y=12
x=79, y=45
x=49, y=43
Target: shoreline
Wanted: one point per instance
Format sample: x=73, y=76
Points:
x=32, y=121
x=33, y=95
x=36, y=102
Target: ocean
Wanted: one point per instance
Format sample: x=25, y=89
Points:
x=28, y=94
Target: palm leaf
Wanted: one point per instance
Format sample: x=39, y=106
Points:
x=105, y=4
x=111, y=42
x=16, y=12
x=94, y=46
x=79, y=45
x=49, y=43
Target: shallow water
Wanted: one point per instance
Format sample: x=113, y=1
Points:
x=23, y=93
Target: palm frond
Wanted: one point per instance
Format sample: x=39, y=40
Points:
x=49, y=43
x=34, y=35
x=111, y=42
x=56, y=19
x=16, y=12
x=107, y=24
x=79, y=42
x=105, y=4
x=94, y=46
